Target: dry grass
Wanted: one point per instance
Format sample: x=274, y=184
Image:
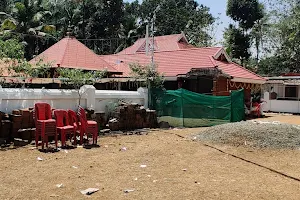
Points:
x=210, y=174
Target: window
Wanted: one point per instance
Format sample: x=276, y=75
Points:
x=291, y=92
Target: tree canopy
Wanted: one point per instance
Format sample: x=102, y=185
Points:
x=104, y=26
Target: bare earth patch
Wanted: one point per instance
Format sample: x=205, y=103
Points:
x=176, y=168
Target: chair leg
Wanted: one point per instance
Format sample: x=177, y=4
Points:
x=74, y=133
x=36, y=138
x=63, y=138
x=43, y=135
x=81, y=137
x=96, y=134
x=47, y=140
x=56, y=140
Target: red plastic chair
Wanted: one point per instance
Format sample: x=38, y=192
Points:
x=63, y=126
x=87, y=127
x=45, y=125
x=73, y=120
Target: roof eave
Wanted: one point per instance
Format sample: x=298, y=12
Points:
x=248, y=80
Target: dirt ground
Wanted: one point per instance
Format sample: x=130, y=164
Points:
x=209, y=174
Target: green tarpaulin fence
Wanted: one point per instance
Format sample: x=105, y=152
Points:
x=182, y=108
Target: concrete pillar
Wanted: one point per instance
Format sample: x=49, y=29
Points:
x=88, y=92
x=267, y=105
x=144, y=93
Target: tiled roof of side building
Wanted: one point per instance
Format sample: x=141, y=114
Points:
x=71, y=53
x=173, y=63
x=161, y=43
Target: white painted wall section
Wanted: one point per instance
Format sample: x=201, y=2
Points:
x=283, y=106
x=18, y=98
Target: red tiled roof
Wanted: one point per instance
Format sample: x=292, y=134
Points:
x=71, y=53
x=173, y=63
x=161, y=43
x=237, y=71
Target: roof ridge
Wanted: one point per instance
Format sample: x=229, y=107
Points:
x=64, y=52
x=193, y=48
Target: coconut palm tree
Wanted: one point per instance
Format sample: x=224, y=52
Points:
x=28, y=20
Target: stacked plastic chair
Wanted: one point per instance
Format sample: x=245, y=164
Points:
x=86, y=126
x=45, y=125
x=63, y=126
x=73, y=120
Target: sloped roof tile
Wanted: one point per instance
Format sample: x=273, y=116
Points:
x=70, y=53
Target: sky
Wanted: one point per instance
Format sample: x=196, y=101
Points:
x=217, y=9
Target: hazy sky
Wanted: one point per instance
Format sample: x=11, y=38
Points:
x=217, y=9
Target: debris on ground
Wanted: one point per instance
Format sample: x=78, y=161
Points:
x=254, y=134
x=128, y=190
x=184, y=170
x=123, y=149
x=143, y=166
x=59, y=185
x=89, y=191
x=74, y=167
x=40, y=159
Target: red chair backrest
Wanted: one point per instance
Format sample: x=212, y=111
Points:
x=73, y=119
x=61, y=117
x=82, y=117
x=42, y=111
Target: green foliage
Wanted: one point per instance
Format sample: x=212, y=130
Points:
x=151, y=76
x=237, y=43
x=75, y=77
x=283, y=38
x=272, y=66
x=245, y=12
x=29, y=21
x=11, y=49
x=175, y=16
x=249, y=15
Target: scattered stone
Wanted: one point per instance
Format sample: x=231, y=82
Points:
x=114, y=120
x=154, y=181
x=74, y=167
x=253, y=134
x=136, y=179
x=117, y=132
x=143, y=166
x=89, y=191
x=104, y=131
x=19, y=142
x=184, y=170
x=123, y=149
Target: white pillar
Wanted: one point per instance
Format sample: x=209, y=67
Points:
x=88, y=93
x=267, y=106
x=144, y=93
